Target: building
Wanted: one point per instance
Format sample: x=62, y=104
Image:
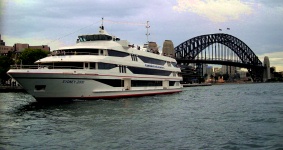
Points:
x=231, y=70
x=204, y=69
x=242, y=73
x=209, y=71
x=1, y=41
x=217, y=70
x=19, y=47
x=168, y=48
x=3, y=48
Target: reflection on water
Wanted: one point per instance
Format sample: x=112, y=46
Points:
x=241, y=116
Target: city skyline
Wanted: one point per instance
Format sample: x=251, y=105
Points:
x=58, y=23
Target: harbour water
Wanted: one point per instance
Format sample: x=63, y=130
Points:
x=236, y=116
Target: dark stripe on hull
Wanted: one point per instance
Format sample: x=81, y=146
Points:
x=60, y=99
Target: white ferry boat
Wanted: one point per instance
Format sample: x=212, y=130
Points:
x=99, y=66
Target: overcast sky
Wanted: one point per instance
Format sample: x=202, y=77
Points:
x=258, y=23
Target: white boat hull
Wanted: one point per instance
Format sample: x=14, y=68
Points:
x=56, y=87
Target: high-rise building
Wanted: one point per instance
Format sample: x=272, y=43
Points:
x=231, y=70
x=204, y=67
x=168, y=48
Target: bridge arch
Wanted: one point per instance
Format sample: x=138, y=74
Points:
x=190, y=49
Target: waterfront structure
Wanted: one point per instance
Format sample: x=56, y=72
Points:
x=100, y=66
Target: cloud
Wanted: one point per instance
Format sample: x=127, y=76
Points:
x=215, y=10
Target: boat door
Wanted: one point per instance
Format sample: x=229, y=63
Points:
x=165, y=84
x=127, y=84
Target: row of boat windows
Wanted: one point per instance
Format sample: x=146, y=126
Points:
x=134, y=83
x=147, y=71
x=110, y=53
x=105, y=66
x=120, y=83
x=99, y=37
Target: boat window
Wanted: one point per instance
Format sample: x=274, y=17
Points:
x=86, y=65
x=134, y=57
x=79, y=51
x=172, y=83
x=117, y=53
x=96, y=37
x=142, y=83
x=92, y=65
x=39, y=87
x=137, y=70
x=106, y=66
x=152, y=60
x=111, y=82
x=174, y=64
x=122, y=69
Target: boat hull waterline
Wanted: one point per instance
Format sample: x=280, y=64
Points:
x=80, y=86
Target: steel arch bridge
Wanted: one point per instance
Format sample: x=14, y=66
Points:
x=195, y=50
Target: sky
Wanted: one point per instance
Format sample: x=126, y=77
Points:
x=258, y=23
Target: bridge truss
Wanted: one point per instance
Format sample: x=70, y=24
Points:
x=222, y=49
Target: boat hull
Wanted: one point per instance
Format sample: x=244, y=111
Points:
x=58, y=87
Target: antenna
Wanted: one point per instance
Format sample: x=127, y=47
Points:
x=147, y=34
x=102, y=27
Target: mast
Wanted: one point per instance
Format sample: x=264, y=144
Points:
x=147, y=33
x=102, y=27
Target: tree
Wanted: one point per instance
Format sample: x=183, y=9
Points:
x=226, y=77
x=5, y=62
x=205, y=75
x=29, y=56
x=216, y=77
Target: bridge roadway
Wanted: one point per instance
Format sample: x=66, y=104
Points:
x=227, y=63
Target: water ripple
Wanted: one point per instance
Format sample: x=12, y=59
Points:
x=240, y=116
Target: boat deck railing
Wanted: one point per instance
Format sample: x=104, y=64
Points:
x=63, y=53
x=45, y=67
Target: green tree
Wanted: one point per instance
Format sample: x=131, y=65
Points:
x=5, y=62
x=29, y=56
